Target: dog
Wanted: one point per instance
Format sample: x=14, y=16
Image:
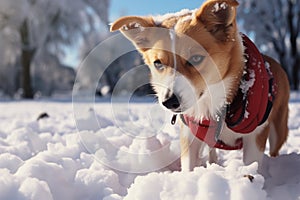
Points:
x=227, y=94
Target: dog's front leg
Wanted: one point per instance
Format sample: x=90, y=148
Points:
x=191, y=149
x=251, y=150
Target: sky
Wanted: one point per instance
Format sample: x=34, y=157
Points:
x=149, y=7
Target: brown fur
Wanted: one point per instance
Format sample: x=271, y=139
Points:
x=216, y=31
x=279, y=114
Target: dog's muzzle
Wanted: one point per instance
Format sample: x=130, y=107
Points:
x=173, y=103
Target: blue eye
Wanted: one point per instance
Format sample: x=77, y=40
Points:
x=195, y=60
x=158, y=65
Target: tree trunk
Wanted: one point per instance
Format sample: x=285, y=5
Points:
x=296, y=68
x=284, y=64
x=26, y=59
x=280, y=49
x=27, y=55
x=294, y=32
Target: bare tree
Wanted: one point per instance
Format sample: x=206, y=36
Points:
x=48, y=26
x=275, y=26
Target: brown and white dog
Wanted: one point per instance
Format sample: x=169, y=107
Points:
x=199, y=63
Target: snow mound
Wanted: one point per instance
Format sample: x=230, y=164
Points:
x=213, y=183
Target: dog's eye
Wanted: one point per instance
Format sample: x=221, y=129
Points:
x=158, y=65
x=195, y=60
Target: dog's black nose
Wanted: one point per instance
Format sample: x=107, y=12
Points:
x=172, y=103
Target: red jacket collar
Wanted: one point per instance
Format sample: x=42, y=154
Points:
x=243, y=115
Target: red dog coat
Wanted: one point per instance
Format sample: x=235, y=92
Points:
x=250, y=108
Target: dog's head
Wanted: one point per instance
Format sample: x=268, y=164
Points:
x=195, y=57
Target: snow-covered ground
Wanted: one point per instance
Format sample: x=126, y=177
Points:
x=126, y=151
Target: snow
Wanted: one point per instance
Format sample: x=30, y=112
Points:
x=247, y=84
x=126, y=151
x=213, y=183
x=219, y=6
x=158, y=19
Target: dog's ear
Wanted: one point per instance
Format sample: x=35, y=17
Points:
x=135, y=29
x=218, y=17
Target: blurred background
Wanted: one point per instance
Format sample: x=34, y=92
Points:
x=43, y=42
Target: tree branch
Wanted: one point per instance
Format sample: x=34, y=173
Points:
x=3, y=20
x=298, y=20
x=293, y=32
